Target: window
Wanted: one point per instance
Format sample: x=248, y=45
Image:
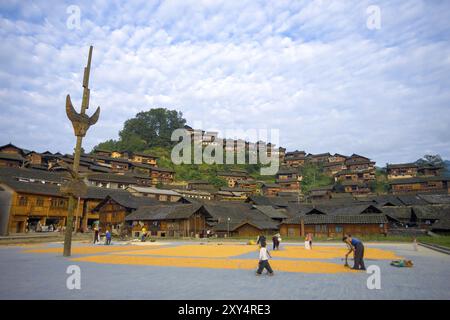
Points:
x=23, y=201
x=40, y=202
x=339, y=229
x=59, y=203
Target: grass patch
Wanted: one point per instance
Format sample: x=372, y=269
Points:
x=439, y=240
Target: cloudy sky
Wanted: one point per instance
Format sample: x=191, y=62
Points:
x=314, y=70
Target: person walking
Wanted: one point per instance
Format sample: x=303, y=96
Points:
x=275, y=242
x=95, y=234
x=307, y=245
x=310, y=238
x=264, y=261
x=261, y=240
x=279, y=241
x=144, y=234
x=108, y=237
x=357, y=247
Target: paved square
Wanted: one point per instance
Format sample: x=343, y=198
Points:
x=187, y=270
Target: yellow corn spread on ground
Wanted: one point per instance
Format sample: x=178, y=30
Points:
x=248, y=264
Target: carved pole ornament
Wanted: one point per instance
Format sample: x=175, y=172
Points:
x=76, y=188
x=81, y=121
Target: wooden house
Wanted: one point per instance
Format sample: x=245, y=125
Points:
x=320, y=158
x=337, y=158
x=249, y=184
x=11, y=156
x=101, y=152
x=331, y=168
x=33, y=196
x=270, y=189
x=154, y=193
x=232, y=194
x=282, y=154
x=113, y=209
x=357, y=162
x=365, y=175
x=119, y=164
x=295, y=158
x=420, y=184
x=124, y=154
x=289, y=185
x=286, y=173
x=233, y=176
x=401, y=170
x=199, y=185
x=334, y=226
x=162, y=175
x=240, y=219
x=110, y=180
x=355, y=187
x=442, y=226
x=335, y=218
x=180, y=220
x=141, y=157
x=425, y=216
x=11, y=160
x=321, y=193
x=430, y=170
x=196, y=194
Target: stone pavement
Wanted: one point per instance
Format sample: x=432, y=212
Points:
x=188, y=270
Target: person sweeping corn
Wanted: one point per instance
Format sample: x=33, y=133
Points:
x=356, y=246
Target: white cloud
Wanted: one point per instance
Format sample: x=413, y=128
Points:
x=312, y=70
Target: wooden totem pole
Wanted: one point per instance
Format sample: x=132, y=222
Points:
x=81, y=122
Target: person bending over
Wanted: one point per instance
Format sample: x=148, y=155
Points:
x=357, y=247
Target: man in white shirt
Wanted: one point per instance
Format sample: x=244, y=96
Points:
x=264, y=261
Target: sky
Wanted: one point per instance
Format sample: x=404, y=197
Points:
x=331, y=76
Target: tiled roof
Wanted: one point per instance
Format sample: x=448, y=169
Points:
x=152, y=190
x=232, y=174
x=401, y=165
x=164, y=212
x=271, y=212
x=127, y=200
x=333, y=219
x=11, y=156
x=112, y=178
x=436, y=198
x=403, y=213
x=431, y=212
x=442, y=224
x=418, y=180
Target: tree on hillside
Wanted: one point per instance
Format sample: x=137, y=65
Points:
x=146, y=130
x=154, y=127
x=109, y=145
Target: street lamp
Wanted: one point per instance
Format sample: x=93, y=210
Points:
x=228, y=222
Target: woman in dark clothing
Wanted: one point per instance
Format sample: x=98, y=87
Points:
x=261, y=240
x=276, y=242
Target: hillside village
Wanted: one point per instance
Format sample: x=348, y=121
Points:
x=127, y=190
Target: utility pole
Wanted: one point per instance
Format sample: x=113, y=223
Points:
x=81, y=122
